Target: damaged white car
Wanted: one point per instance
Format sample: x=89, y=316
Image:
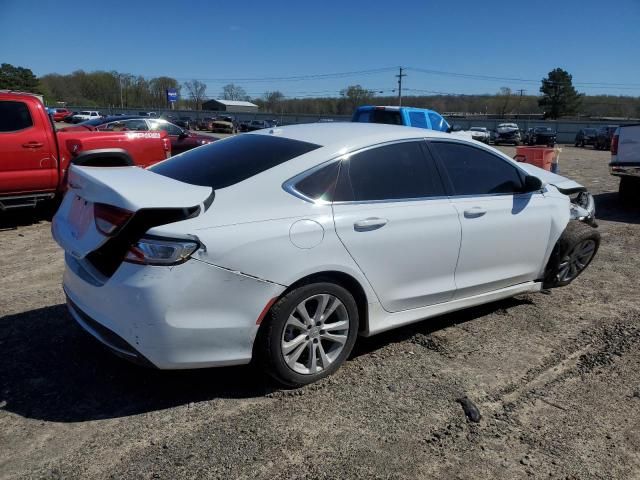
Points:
x=283, y=245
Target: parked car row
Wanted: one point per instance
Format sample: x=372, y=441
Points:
x=181, y=139
x=599, y=138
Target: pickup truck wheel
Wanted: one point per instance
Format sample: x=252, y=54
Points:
x=308, y=333
x=629, y=189
x=572, y=254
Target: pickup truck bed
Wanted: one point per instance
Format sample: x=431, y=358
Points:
x=34, y=158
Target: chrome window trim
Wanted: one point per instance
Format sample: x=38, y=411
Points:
x=289, y=185
x=483, y=147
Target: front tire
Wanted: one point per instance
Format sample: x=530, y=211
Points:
x=573, y=253
x=308, y=334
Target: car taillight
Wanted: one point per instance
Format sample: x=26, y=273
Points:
x=157, y=251
x=614, y=145
x=110, y=219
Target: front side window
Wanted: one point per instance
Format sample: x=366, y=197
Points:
x=437, y=122
x=474, y=171
x=14, y=116
x=390, y=172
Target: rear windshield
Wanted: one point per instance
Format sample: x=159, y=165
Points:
x=230, y=161
x=390, y=117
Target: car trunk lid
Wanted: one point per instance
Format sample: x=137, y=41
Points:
x=127, y=201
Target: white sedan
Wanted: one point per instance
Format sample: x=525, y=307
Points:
x=284, y=245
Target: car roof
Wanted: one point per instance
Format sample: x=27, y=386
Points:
x=350, y=134
x=366, y=108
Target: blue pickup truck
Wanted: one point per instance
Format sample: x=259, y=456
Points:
x=408, y=116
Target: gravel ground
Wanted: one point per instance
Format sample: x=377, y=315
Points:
x=555, y=378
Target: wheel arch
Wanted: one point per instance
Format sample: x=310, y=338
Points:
x=345, y=280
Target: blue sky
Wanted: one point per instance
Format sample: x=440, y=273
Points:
x=596, y=41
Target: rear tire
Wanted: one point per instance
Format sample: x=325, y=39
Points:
x=297, y=349
x=629, y=189
x=573, y=253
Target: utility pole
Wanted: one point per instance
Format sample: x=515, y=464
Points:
x=522, y=90
x=120, y=82
x=400, y=75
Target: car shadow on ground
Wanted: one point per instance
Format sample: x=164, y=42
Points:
x=368, y=345
x=50, y=369
x=610, y=207
x=22, y=217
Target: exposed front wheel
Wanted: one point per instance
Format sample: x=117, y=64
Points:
x=573, y=253
x=309, y=333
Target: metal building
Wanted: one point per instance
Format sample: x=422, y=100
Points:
x=230, y=106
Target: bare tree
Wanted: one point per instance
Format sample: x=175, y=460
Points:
x=272, y=100
x=197, y=92
x=234, y=92
x=504, y=98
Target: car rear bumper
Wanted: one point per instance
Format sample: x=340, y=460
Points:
x=192, y=315
x=625, y=169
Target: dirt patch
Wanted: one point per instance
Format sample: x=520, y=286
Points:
x=554, y=377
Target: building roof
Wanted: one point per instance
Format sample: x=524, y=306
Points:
x=235, y=103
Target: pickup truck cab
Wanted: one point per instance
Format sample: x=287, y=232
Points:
x=34, y=158
x=625, y=160
x=407, y=116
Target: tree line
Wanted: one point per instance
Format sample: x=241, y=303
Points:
x=102, y=89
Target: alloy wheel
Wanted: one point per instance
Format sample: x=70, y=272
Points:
x=315, y=334
x=576, y=260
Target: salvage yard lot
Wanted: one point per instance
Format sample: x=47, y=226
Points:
x=555, y=378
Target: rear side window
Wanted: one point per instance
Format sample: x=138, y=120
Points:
x=418, y=119
x=390, y=117
x=230, y=161
x=14, y=116
x=474, y=171
x=390, y=172
x=321, y=184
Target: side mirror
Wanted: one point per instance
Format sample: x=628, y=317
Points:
x=531, y=184
x=183, y=134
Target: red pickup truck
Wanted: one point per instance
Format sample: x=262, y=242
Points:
x=34, y=158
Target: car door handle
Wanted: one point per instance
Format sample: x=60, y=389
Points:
x=369, y=224
x=474, y=212
x=32, y=145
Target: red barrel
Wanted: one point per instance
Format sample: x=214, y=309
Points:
x=539, y=156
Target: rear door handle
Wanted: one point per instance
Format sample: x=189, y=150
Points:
x=474, y=212
x=32, y=145
x=369, y=224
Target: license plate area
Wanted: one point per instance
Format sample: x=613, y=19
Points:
x=80, y=216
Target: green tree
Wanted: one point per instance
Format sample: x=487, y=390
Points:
x=18, y=78
x=559, y=97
